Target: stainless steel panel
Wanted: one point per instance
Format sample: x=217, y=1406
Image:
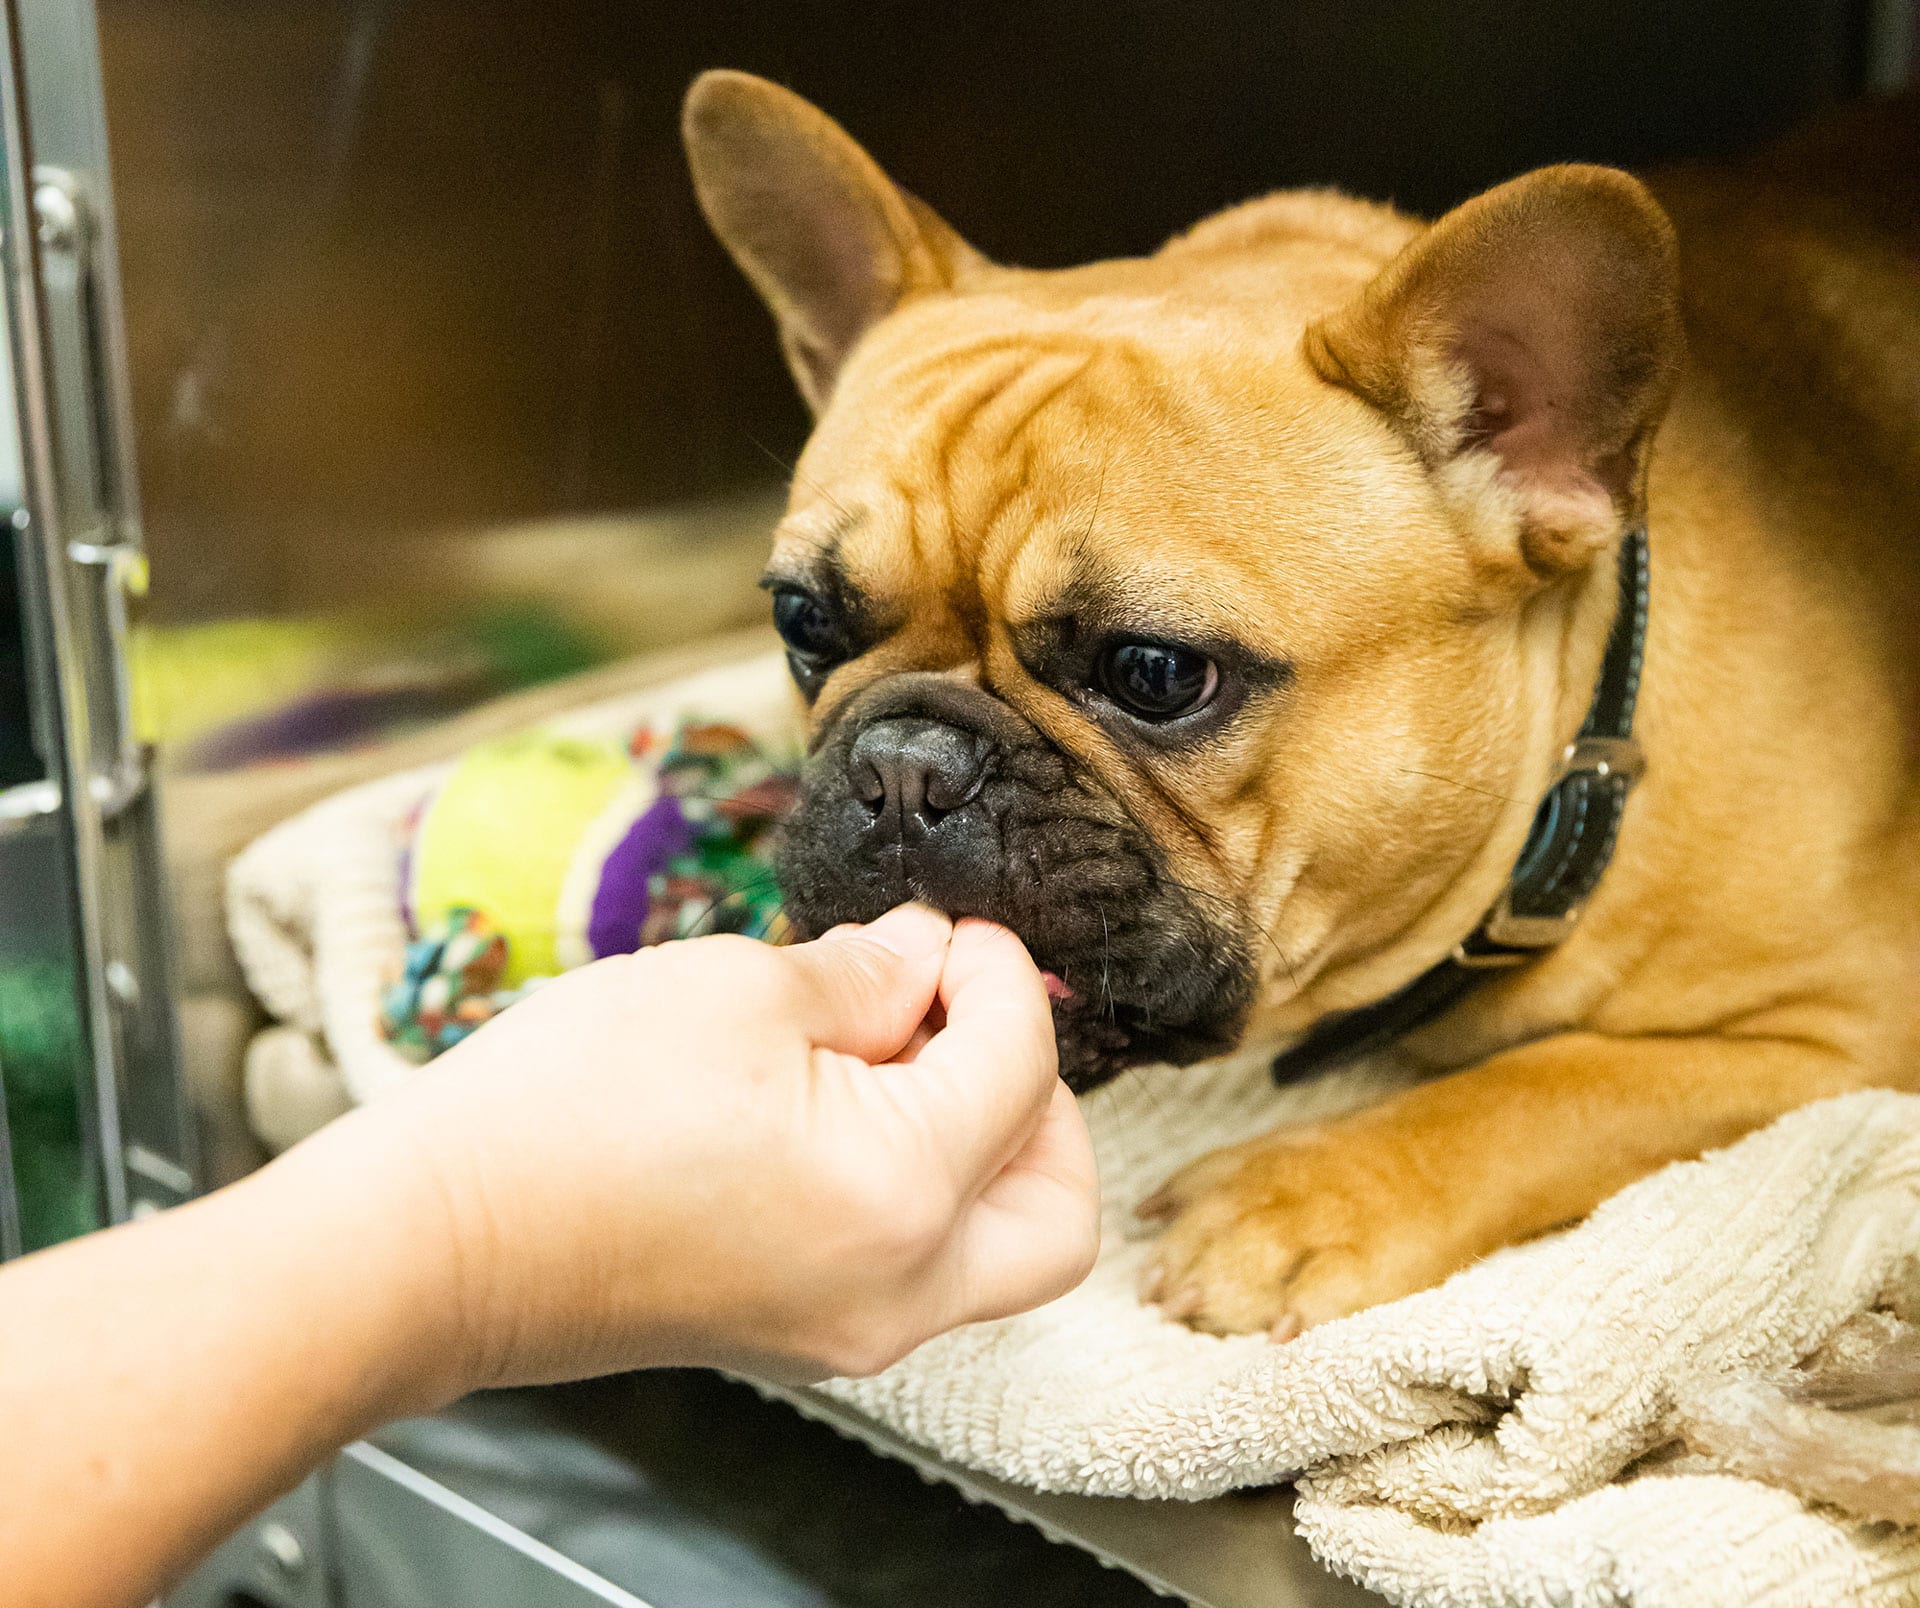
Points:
x=283, y=1558
x=404, y=1541
x=46, y=1062
x=78, y=531
x=693, y=1492
x=1236, y=1551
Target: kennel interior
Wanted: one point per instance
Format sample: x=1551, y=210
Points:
x=387, y=390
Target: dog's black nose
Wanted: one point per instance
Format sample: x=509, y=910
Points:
x=910, y=772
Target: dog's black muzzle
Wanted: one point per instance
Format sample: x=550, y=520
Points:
x=928, y=788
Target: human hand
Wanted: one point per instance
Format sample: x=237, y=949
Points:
x=798, y=1162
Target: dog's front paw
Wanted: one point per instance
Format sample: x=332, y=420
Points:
x=1297, y=1227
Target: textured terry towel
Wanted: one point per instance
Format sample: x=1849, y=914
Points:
x=1504, y=1439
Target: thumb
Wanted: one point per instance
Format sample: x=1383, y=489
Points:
x=864, y=990
x=985, y=1078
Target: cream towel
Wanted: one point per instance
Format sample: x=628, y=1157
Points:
x=1500, y=1440
x=1476, y=1444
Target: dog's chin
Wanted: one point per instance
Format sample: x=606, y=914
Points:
x=1096, y=1045
x=1123, y=1004
x=1099, y=1032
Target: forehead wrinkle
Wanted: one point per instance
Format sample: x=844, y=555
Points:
x=1121, y=397
x=928, y=372
x=918, y=548
x=970, y=462
x=1013, y=568
x=980, y=454
x=1142, y=539
x=955, y=397
x=1034, y=580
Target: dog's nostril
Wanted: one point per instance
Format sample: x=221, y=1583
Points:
x=909, y=767
x=946, y=795
x=867, y=784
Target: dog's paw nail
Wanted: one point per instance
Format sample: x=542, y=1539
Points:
x=1152, y=1282
x=1289, y=1327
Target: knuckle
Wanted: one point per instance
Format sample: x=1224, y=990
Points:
x=907, y=1219
x=1087, y=1251
x=862, y=1350
x=860, y=965
x=920, y=1228
x=896, y=1217
x=736, y=951
x=749, y=973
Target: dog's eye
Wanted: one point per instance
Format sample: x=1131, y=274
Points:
x=1157, y=680
x=805, y=626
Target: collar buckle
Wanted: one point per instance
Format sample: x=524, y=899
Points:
x=1602, y=758
x=1504, y=939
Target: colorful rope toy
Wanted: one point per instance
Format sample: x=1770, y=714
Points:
x=450, y=985
x=540, y=853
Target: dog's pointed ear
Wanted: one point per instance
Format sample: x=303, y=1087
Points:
x=1526, y=346
x=829, y=241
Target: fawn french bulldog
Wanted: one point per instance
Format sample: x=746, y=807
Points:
x=1233, y=623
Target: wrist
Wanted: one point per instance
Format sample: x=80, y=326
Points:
x=367, y=1251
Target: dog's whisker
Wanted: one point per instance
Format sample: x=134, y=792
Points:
x=1106, y=969
x=1454, y=781
x=792, y=471
x=1099, y=496
x=714, y=907
x=1286, y=960
x=758, y=882
x=1116, y=1126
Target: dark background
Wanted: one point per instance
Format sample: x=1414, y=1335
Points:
x=394, y=265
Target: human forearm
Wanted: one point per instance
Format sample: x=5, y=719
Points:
x=711, y=1153
x=160, y=1382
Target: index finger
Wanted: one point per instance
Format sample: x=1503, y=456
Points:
x=989, y=1073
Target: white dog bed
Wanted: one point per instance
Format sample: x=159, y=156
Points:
x=1505, y=1439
